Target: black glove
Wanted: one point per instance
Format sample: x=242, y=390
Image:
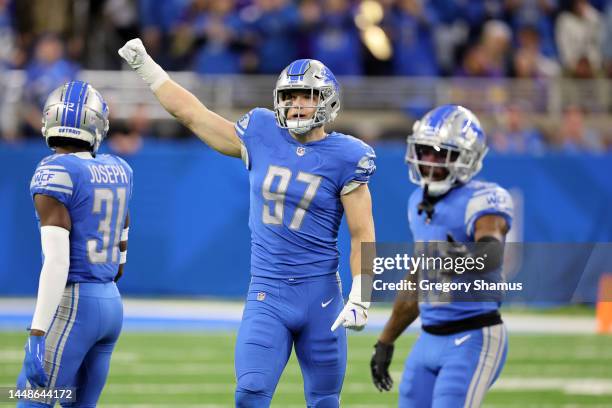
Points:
x=488, y=248
x=454, y=249
x=381, y=359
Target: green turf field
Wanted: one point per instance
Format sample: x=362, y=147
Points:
x=196, y=369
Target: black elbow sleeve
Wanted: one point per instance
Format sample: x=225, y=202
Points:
x=491, y=250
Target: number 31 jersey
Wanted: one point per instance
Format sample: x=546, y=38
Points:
x=295, y=190
x=96, y=192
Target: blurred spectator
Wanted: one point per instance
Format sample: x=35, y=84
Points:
x=574, y=135
x=157, y=18
x=183, y=32
x=414, y=46
x=7, y=53
x=112, y=23
x=607, y=42
x=538, y=15
x=496, y=41
x=38, y=17
x=578, y=33
x=476, y=13
x=377, y=50
x=310, y=12
x=275, y=25
x=46, y=72
x=515, y=134
x=474, y=63
x=490, y=57
x=450, y=33
x=335, y=41
x=7, y=35
x=127, y=138
x=529, y=61
x=218, y=30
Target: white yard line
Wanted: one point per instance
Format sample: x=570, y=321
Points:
x=211, y=311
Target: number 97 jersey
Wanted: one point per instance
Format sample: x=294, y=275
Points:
x=96, y=192
x=295, y=190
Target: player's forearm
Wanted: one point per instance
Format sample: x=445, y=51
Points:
x=362, y=275
x=360, y=234
x=355, y=258
x=403, y=314
x=214, y=130
x=211, y=128
x=178, y=102
x=53, y=276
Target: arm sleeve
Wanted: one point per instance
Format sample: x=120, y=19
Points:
x=53, y=180
x=55, y=243
x=359, y=169
x=489, y=201
x=244, y=130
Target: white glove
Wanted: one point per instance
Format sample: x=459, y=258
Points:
x=135, y=54
x=354, y=315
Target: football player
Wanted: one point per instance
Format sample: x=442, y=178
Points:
x=302, y=180
x=463, y=345
x=81, y=203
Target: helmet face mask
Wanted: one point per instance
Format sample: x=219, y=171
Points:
x=76, y=111
x=446, y=148
x=316, y=82
x=300, y=118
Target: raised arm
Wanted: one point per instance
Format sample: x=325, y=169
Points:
x=211, y=128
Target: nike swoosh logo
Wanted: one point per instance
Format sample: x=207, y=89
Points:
x=459, y=341
x=324, y=304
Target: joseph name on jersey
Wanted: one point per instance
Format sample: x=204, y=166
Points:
x=295, y=194
x=108, y=173
x=456, y=214
x=96, y=192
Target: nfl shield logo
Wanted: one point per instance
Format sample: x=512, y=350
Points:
x=261, y=296
x=300, y=151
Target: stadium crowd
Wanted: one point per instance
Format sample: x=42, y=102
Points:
x=52, y=40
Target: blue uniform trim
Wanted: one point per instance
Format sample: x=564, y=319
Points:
x=486, y=332
x=73, y=101
x=439, y=117
x=62, y=335
x=80, y=104
x=498, y=356
x=298, y=68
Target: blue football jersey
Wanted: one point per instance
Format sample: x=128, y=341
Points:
x=96, y=192
x=295, y=189
x=456, y=213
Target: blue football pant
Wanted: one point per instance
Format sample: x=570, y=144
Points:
x=80, y=342
x=453, y=370
x=281, y=314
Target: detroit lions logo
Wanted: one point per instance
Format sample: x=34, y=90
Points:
x=366, y=165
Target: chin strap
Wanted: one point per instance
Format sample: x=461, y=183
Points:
x=427, y=204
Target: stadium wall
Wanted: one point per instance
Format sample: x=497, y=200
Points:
x=189, y=234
